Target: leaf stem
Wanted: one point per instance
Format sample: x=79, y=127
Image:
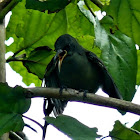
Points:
x=86, y=3
x=98, y=3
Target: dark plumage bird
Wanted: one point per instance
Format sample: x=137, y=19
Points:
x=77, y=68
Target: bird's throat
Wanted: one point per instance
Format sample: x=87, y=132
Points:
x=61, y=58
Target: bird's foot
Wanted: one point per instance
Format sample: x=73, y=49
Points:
x=84, y=93
x=62, y=88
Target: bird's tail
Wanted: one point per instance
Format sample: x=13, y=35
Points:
x=47, y=111
x=53, y=105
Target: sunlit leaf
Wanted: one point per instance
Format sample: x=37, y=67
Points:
x=28, y=78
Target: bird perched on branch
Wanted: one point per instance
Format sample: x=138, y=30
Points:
x=77, y=68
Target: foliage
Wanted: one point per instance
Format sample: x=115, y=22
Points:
x=76, y=131
x=35, y=26
x=37, y=59
x=130, y=25
x=12, y=105
x=113, y=47
x=120, y=131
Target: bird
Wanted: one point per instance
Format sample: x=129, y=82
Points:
x=75, y=67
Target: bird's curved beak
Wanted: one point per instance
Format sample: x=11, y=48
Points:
x=60, y=55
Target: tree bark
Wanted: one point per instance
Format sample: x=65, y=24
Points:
x=2, y=54
x=2, y=65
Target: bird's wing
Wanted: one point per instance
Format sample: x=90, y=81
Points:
x=51, y=80
x=51, y=105
x=108, y=85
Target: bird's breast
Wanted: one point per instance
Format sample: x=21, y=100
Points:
x=78, y=73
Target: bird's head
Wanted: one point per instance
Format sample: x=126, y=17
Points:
x=66, y=42
x=65, y=45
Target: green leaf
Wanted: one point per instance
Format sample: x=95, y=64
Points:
x=13, y=97
x=73, y=128
x=31, y=28
x=105, y=2
x=51, y=5
x=12, y=105
x=87, y=42
x=118, y=53
x=10, y=122
x=122, y=132
x=120, y=58
x=138, y=70
x=136, y=126
x=38, y=60
x=126, y=15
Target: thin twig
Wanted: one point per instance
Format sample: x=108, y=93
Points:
x=33, y=121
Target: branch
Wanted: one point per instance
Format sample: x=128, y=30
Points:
x=21, y=58
x=73, y=95
x=6, y=6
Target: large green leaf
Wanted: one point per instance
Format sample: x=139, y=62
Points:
x=126, y=15
x=73, y=128
x=118, y=54
x=31, y=29
x=120, y=57
x=12, y=105
x=120, y=131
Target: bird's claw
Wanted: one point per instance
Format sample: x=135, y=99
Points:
x=61, y=89
x=84, y=93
